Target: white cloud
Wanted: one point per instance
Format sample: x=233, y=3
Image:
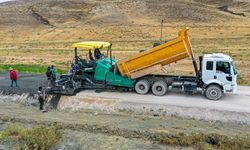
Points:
x=1, y=1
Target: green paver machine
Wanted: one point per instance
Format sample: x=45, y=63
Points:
x=94, y=72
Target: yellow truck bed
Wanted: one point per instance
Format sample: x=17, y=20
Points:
x=153, y=59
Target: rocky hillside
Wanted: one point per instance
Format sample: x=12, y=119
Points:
x=112, y=19
x=56, y=13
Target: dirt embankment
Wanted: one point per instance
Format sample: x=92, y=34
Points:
x=163, y=131
x=137, y=122
x=232, y=108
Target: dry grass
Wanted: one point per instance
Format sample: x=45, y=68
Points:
x=40, y=137
x=208, y=141
x=62, y=57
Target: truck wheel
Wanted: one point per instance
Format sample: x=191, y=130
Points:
x=213, y=92
x=159, y=88
x=142, y=87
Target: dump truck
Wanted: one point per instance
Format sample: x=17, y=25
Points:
x=216, y=74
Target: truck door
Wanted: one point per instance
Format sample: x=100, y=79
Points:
x=208, y=70
x=223, y=74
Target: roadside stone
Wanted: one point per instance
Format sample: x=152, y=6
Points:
x=2, y=147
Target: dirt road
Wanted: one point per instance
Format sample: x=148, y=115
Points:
x=232, y=107
x=239, y=102
x=27, y=83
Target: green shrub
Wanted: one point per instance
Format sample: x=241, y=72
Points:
x=14, y=130
x=3, y=135
x=40, y=137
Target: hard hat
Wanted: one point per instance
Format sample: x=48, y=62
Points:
x=10, y=68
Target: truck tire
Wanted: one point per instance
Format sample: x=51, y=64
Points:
x=159, y=88
x=142, y=87
x=213, y=92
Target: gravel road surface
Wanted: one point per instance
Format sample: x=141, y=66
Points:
x=27, y=83
x=232, y=107
x=239, y=102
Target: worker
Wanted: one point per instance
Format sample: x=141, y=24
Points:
x=49, y=76
x=41, y=97
x=97, y=54
x=90, y=56
x=13, y=76
x=53, y=72
x=73, y=70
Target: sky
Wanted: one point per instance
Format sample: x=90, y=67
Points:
x=1, y=1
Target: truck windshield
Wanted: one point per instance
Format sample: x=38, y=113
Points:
x=223, y=67
x=234, y=69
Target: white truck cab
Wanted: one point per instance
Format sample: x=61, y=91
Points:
x=218, y=75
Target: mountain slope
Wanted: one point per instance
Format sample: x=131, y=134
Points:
x=125, y=12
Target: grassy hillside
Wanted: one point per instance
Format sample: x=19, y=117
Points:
x=41, y=31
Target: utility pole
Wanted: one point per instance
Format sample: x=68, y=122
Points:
x=161, y=30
